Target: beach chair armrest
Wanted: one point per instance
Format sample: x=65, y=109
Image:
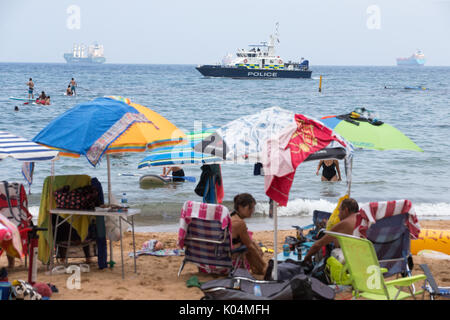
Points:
x=240, y=249
x=383, y=270
x=407, y=281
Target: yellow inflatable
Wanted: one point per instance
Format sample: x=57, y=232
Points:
x=437, y=240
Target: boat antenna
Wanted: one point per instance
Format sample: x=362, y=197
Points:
x=276, y=31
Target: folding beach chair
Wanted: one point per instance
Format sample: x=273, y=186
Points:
x=391, y=240
x=205, y=233
x=366, y=274
x=431, y=285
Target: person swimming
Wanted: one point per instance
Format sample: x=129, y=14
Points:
x=69, y=91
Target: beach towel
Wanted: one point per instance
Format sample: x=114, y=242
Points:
x=81, y=224
x=285, y=153
x=10, y=240
x=374, y=211
x=202, y=211
x=158, y=253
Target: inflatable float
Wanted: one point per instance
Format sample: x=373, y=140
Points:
x=153, y=181
x=430, y=239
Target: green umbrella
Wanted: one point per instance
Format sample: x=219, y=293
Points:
x=369, y=133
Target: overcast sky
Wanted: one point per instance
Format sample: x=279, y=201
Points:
x=327, y=32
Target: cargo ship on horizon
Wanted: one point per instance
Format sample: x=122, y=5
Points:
x=93, y=55
x=417, y=59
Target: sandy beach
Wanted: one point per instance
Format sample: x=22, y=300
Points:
x=156, y=277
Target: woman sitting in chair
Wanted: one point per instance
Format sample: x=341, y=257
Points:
x=244, y=206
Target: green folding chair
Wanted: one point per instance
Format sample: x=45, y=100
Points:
x=366, y=274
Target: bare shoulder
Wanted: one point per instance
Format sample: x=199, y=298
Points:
x=345, y=226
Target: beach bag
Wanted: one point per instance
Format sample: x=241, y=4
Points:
x=113, y=229
x=286, y=270
x=337, y=272
x=83, y=198
x=242, y=286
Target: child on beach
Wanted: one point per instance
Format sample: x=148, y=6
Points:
x=244, y=206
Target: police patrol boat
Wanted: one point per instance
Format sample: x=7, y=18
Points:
x=257, y=62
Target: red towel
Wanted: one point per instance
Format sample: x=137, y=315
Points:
x=309, y=136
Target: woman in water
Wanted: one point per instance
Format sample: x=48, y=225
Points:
x=329, y=170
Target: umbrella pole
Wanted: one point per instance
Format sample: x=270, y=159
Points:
x=351, y=177
x=109, y=179
x=275, y=241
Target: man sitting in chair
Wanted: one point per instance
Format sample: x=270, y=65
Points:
x=346, y=225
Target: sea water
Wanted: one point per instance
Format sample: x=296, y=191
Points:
x=182, y=95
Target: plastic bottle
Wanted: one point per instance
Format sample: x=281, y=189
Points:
x=257, y=290
x=286, y=250
x=124, y=200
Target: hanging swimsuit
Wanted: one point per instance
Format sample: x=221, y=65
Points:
x=328, y=171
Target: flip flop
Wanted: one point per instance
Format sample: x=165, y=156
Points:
x=59, y=270
x=85, y=267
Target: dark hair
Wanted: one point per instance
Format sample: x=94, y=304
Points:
x=243, y=199
x=30, y=79
x=351, y=205
x=72, y=78
x=68, y=86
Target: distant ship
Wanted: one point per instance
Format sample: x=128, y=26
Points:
x=417, y=59
x=93, y=55
x=257, y=62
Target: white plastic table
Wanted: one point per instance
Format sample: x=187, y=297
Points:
x=123, y=216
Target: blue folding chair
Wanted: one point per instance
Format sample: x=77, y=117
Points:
x=391, y=240
x=431, y=285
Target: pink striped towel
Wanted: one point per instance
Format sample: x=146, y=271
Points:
x=205, y=211
x=373, y=211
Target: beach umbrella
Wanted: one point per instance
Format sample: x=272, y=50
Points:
x=257, y=138
x=13, y=146
x=306, y=140
x=108, y=125
x=181, y=154
x=22, y=149
x=364, y=131
x=243, y=139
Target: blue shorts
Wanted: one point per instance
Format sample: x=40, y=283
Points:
x=30, y=91
x=72, y=88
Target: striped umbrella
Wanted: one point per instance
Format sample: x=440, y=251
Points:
x=182, y=154
x=22, y=149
